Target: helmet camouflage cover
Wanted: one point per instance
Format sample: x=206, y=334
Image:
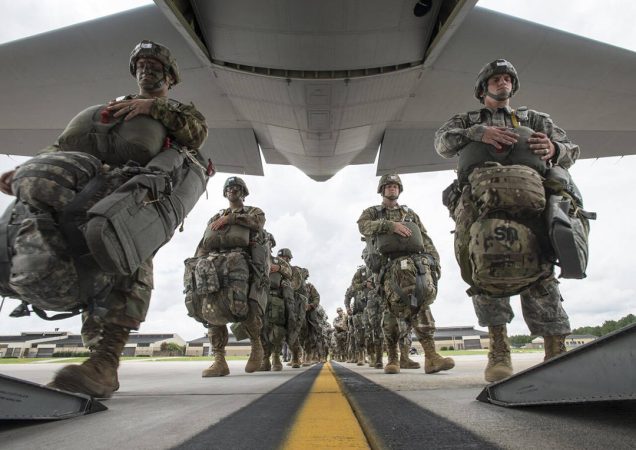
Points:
x=149, y=49
x=235, y=181
x=498, y=66
x=285, y=252
x=390, y=178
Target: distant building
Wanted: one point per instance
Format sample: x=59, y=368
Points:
x=45, y=344
x=201, y=347
x=571, y=341
x=457, y=338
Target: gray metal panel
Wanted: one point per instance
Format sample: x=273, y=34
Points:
x=602, y=370
x=410, y=150
x=311, y=35
x=234, y=150
x=23, y=400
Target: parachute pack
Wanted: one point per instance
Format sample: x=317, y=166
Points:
x=503, y=219
x=82, y=225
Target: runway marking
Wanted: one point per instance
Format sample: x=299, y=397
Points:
x=326, y=419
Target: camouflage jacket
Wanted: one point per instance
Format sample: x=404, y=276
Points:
x=372, y=222
x=340, y=323
x=184, y=122
x=312, y=294
x=284, y=268
x=357, y=284
x=297, y=282
x=251, y=217
x=461, y=129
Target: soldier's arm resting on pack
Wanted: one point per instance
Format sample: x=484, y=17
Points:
x=429, y=247
x=283, y=268
x=254, y=220
x=370, y=226
x=314, y=297
x=456, y=133
x=562, y=150
x=347, y=299
x=184, y=122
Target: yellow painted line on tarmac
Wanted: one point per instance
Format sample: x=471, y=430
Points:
x=326, y=419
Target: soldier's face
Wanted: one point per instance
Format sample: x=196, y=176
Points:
x=500, y=84
x=149, y=73
x=392, y=191
x=233, y=193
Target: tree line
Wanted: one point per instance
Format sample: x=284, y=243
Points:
x=601, y=330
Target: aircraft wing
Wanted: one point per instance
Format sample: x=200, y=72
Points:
x=586, y=86
x=320, y=85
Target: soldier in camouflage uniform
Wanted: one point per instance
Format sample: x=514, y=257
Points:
x=295, y=308
x=340, y=334
x=372, y=317
x=314, y=330
x=126, y=306
x=356, y=292
x=277, y=314
x=409, y=280
x=253, y=218
x=541, y=302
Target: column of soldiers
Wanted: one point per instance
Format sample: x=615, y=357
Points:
x=234, y=277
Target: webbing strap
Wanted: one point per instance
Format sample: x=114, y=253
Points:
x=42, y=314
x=513, y=117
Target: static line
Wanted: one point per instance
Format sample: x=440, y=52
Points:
x=326, y=419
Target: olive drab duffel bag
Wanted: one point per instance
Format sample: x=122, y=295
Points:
x=568, y=223
x=230, y=236
x=128, y=226
x=113, y=139
x=216, y=287
x=505, y=257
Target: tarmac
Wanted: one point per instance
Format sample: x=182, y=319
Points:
x=167, y=404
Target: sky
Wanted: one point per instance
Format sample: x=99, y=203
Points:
x=317, y=221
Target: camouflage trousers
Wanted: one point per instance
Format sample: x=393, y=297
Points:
x=126, y=305
x=358, y=331
x=540, y=304
x=372, y=317
x=341, y=343
x=397, y=329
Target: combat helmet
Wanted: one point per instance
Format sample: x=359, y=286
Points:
x=235, y=181
x=493, y=68
x=149, y=49
x=389, y=178
x=285, y=252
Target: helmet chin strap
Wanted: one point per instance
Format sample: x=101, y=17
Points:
x=499, y=97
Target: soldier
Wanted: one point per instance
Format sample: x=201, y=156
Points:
x=280, y=297
x=312, y=318
x=340, y=333
x=373, y=325
x=105, y=330
x=495, y=124
x=229, y=251
x=295, y=308
x=356, y=291
x=409, y=278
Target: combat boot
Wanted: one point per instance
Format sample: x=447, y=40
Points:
x=393, y=366
x=433, y=361
x=360, y=361
x=277, y=365
x=378, y=356
x=218, y=340
x=553, y=346
x=295, y=362
x=253, y=326
x=266, y=365
x=405, y=361
x=97, y=376
x=371, y=354
x=499, y=363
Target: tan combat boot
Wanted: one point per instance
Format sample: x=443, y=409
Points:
x=97, y=376
x=553, y=346
x=433, y=361
x=253, y=326
x=405, y=361
x=393, y=366
x=218, y=340
x=256, y=356
x=360, y=359
x=499, y=363
x=266, y=365
x=277, y=365
x=378, y=356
